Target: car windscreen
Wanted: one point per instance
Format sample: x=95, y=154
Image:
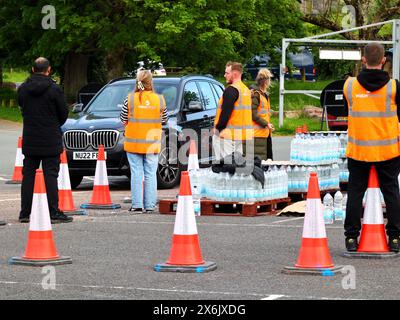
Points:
x=113, y=96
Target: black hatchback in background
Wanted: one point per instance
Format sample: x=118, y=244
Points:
x=191, y=102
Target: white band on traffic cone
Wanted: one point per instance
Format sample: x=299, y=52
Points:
x=19, y=158
x=373, y=213
x=40, y=216
x=63, y=180
x=101, y=178
x=185, y=221
x=193, y=162
x=314, y=225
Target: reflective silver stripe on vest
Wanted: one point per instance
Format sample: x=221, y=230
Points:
x=231, y=126
x=371, y=114
x=373, y=143
x=240, y=107
x=264, y=112
x=141, y=140
x=155, y=121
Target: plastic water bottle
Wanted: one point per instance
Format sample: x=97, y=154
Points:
x=196, y=201
x=338, y=206
x=344, y=206
x=290, y=178
x=328, y=209
x=241, y=191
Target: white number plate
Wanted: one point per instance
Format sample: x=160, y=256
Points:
x=86, y=155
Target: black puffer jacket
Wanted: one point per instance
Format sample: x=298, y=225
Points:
x=44, y=111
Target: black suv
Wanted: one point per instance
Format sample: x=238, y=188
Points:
x=191, y=102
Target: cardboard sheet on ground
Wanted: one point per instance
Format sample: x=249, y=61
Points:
x=295, y=209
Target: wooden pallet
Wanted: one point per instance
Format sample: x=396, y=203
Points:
x=234, y=209
x=300, y=196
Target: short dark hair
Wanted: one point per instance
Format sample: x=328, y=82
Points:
x=235, y=66
x=374, y=53
x=41, y=65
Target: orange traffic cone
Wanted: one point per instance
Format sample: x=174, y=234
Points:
x=65, y=200
x=101, y=198
x=193, y=162
x=40, y=248
x=373, y=241
x=185, y=253
x=19, y=164
x=314, y=257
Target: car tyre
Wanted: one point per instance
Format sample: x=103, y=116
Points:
x=169, y=167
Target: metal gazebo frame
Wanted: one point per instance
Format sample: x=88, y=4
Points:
x=395, y=42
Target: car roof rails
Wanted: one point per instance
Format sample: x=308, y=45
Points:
x=198, y=75
x=121, y=78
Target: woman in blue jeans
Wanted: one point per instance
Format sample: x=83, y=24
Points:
x=143, y=114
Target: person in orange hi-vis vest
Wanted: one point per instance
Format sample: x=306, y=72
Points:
x=372, y=100
x=143, y=113
x=233, y=121
x=261, y=114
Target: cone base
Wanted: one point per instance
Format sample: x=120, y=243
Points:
x=207, y=266
x=313, y=271
x=39, y=263
x=75, y=213
x=100, y=206
x=3, y=223
x=13, y=182
x=371, y=255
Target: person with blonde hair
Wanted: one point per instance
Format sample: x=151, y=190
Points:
x=261, y=115
x=143, y=114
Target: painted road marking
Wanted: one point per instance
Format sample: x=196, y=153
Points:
x=165, y=290
x=274, y=297
x=287, y=220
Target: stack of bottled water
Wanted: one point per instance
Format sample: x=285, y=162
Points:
x=195, y=183
x=334, y=208
x=308, y=149
x=298, y=177
x=343, y=144
x=243, y=188
x=344, y=171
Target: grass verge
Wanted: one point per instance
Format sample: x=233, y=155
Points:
x=11, y=114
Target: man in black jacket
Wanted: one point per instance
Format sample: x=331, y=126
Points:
x=44, y=111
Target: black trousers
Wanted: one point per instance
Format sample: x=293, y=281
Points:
x=269, y=148
x=51, y=166
x=388, y=172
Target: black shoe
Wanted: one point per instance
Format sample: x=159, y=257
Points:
x=351, y=244
x=136, y=210
x=24, y=219
x=60, y=217
x=394, y=244
x=150, y=210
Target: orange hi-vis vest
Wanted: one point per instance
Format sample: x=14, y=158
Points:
x=143, y=132
x=264, y=112
x=240, y=124
x=373, y=126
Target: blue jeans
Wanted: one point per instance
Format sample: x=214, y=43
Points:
x=143, y=165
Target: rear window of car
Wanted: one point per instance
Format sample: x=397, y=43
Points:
x=113, y=96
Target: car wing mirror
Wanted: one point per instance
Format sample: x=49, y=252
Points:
x=77, y=108
x=195, y=106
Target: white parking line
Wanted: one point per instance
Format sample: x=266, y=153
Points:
x=6, y=200
x=274, y=297
x=287, y=220
x=165, y=290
